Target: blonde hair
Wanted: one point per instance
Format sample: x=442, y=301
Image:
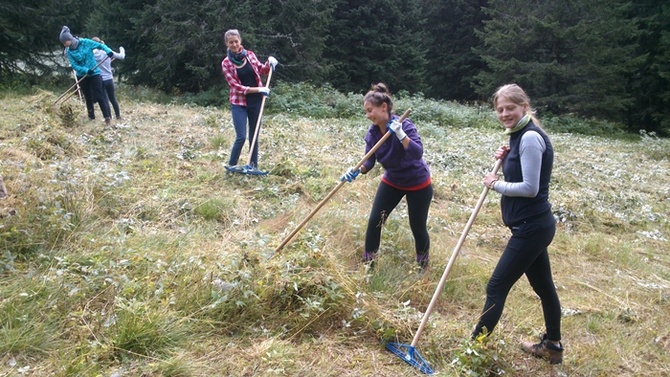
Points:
x=379, y=93
x=514, y=93
x=231, y=33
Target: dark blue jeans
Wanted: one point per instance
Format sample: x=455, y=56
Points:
x=526, y=253
x=418, y=204
x=242, y=114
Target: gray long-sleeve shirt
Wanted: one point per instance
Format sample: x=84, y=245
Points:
x=531, y=148
x=106, y=66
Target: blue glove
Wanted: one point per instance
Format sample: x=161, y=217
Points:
x=396, y=128
x=110, y=54
x=90, y=72
x=350, y=175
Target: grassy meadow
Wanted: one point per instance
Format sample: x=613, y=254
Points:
x=130, y=251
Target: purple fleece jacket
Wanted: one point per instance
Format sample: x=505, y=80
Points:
x=404, y=168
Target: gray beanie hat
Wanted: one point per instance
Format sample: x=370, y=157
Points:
x=65, y=35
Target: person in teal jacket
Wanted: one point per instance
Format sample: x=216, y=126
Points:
x=79, y=52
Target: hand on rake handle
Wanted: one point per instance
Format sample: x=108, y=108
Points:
x=90, y=72
x=396, y=128
x=490, y=179
x=273, y=62
x=350, y=175
x=264, y=90
x=501, y=152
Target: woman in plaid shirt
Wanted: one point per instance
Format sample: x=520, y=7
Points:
x=243, y=73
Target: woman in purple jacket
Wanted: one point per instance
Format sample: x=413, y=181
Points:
x=406, y=174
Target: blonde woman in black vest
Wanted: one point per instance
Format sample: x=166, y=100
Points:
x=526, y=211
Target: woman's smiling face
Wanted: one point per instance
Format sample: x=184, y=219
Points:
x=376, y=114
x=509, y=113
x=234, y=43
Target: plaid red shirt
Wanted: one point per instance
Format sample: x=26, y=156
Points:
x=237, y=90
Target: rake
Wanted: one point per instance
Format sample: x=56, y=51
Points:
x=408, y=352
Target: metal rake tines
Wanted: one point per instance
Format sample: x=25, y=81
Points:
x=410, y=355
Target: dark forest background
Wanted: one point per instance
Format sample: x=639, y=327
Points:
x=604, y=59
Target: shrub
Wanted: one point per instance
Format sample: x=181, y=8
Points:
x=480, y=357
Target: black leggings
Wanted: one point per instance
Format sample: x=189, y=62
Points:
x=108, y=92
x=386, y=199
x=91, y=86
x=526, y=252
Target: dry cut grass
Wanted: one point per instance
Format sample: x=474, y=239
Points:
x=130, y=251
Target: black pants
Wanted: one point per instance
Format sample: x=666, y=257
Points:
x=386, y=199
x=108, y=92
x=526, y=253
x=91, y=86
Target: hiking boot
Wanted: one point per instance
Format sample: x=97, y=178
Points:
x=369, y=266
x=108, y=121
x=369, y=261
x=546, y=349
x=422, y=260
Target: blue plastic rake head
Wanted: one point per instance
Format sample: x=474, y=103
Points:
x=246, y=169
x=410, y=355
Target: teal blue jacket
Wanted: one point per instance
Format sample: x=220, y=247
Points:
x=82, y=58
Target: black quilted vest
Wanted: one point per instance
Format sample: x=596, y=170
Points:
x=516, y=210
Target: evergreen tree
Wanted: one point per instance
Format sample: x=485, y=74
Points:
x=184, y=42
x=605, y=58
x=376, y=41
x=451, y=35
x=174, y=45
x=571, y=56
x=29, y=31
x=295, y=33
x=650, y=82
x=178, y=45
x=116, y=22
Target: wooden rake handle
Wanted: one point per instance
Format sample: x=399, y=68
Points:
x=454, y=254
x=339, y=185
x=78, y=89
x=258, y=121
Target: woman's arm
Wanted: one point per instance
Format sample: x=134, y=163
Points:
x=531, y=148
